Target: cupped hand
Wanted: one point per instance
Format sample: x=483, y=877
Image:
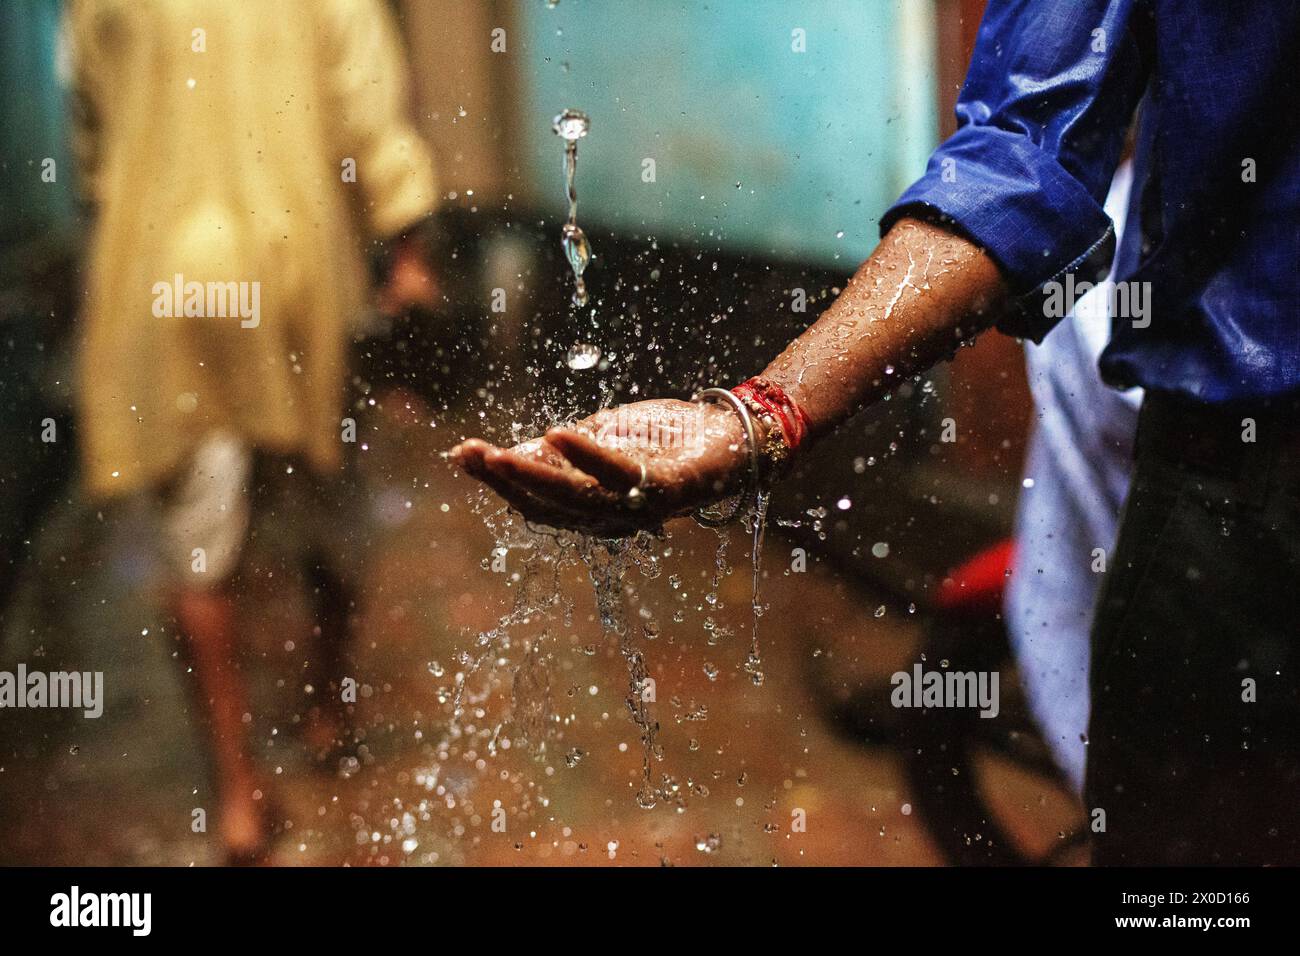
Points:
x=621, y=470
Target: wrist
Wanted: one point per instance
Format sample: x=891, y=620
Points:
x=783, y=423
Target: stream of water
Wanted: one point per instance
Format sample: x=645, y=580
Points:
x=609, y=563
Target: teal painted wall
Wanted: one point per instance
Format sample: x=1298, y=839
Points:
x=820, y=142
x=33, y=121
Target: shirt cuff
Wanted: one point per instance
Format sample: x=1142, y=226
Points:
x=1013, y=199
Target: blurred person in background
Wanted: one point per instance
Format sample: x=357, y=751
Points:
x=242, y=160
x=38, y=238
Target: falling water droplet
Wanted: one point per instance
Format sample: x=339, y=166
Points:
x=571, y=125
x=577, y=250
x=582, y=355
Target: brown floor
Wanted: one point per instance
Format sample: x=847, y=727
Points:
x=121, y=790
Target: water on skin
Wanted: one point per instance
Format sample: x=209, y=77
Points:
x=857, y=322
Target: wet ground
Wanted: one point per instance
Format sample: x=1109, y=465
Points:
x=750, y=761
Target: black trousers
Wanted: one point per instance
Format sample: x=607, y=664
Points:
x=1194, y=741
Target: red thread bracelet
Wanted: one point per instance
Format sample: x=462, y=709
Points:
x=772, y=398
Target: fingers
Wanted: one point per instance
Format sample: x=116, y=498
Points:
x=469, y=455
x=563, y=487
x=534, y=480
x=612, y=469
x=547, y=470
x=530, y=505
x=543, y=481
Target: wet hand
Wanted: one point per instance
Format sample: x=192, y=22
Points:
x=620, y=470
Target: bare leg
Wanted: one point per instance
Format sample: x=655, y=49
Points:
x=207, y=619
x=327, y=716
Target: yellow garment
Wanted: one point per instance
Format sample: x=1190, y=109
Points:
x=216, y=140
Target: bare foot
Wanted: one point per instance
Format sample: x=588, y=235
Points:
x=246, y=828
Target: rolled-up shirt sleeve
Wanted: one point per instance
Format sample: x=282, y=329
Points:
x=1041, y=118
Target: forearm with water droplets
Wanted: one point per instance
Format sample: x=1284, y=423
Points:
x=910, y=305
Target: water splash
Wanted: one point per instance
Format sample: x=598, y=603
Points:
x=546, y=555
x=608, y=563
x=538, y=593
x=757, y=525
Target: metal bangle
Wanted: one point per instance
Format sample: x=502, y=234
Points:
x=717, y=520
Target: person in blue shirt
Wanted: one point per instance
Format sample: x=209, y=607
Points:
x=1194, y=735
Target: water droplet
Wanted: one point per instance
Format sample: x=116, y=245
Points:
x=576, y=248
x=571, y=125
x=582, y=355
x=711, y=843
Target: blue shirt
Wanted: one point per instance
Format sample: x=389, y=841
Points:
x=1214, y=221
